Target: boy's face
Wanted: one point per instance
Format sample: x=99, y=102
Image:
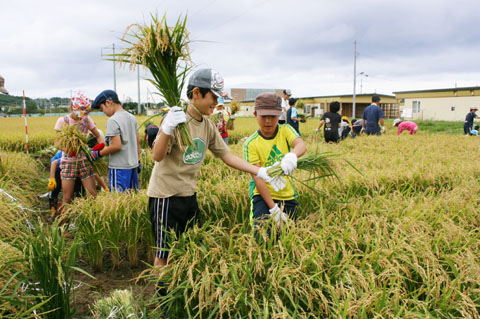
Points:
x=267, y=123
x=205, y=104
x=107, y=108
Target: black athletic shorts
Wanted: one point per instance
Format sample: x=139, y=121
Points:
x=177, y=213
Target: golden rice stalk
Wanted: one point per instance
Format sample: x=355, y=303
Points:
x=73, y=142
x=164, y=50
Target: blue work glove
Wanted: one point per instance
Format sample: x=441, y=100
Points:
x=95, y=155
x=139, y=168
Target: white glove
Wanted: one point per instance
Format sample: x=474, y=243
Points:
x=362, y=130
x=279, y=216
x=289, y=163
x=174, y=117
x=383, y=129
x=277, y=183
x=317, y=130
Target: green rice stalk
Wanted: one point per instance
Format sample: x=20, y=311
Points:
x=52, y=265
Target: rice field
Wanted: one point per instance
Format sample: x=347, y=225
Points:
x=397, y=237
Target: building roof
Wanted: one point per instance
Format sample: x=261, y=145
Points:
x=441, y=90
x=334, y=96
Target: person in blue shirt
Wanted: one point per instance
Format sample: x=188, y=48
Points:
x=292, y=114
x=474, y=132
x=467, y=126
x=371, y=116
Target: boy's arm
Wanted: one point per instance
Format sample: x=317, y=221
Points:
x=263, y=190
x=115, y=146
x=320, y=125
x=239, y=163
x=101, y=182
x=299, y=147
x=160, y=147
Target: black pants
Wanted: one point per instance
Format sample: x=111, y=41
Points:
x=467, y=127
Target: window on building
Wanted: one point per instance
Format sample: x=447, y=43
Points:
x=308, y=108
x=452, y=108
x=416, y=107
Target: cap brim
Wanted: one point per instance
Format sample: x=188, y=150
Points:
x=264, y=112
x=3, y=90
x=217, y=93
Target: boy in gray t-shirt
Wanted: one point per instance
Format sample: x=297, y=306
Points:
x=124, y=143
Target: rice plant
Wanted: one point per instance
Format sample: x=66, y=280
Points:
x=164, y=50
x=111, y=221
x=51, y=263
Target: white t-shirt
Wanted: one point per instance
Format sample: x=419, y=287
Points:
x=284, y=105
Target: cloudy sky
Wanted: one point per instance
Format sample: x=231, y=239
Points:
x=51, y=48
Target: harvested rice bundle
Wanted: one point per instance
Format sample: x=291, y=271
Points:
x=317, y=165
x=121, y=304
x=73, y=142
x=165, y=52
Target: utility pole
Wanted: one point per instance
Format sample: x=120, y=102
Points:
x=354, y=75
x=114, y=66
x=114, y=70
x=139, y=111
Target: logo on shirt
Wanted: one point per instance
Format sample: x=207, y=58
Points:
x=194, y=154
x=274, y=156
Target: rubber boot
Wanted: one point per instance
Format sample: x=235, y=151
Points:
x=53, y=209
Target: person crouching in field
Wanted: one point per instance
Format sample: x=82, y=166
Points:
x=332, y=121
x=77, y=165
x=124, y=143
x=405, y=126
x=55, y=185
x=172, y=188
x=273, y=143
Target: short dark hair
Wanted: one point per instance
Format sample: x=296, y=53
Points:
x=476, y=127
x=334, y=106
x=375, y=98
x=292, y=101
x=190, y=88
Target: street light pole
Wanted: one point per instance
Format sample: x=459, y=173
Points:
x=354, y=75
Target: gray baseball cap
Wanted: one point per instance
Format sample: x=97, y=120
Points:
x=207, y=79
x=2, y=86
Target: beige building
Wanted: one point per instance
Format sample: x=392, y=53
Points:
x=451, y=104
x=315, y=106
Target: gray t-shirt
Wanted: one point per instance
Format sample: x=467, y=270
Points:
x=125, y=125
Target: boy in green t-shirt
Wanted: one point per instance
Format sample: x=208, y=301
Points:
x=270, y=144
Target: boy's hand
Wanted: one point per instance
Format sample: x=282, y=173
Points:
x=277, y=183
x=289, y=163
x=98, y=147
x=383, y=129
x=279, y=216
x=95, y=155
x=52, y=184
x=174, y=117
